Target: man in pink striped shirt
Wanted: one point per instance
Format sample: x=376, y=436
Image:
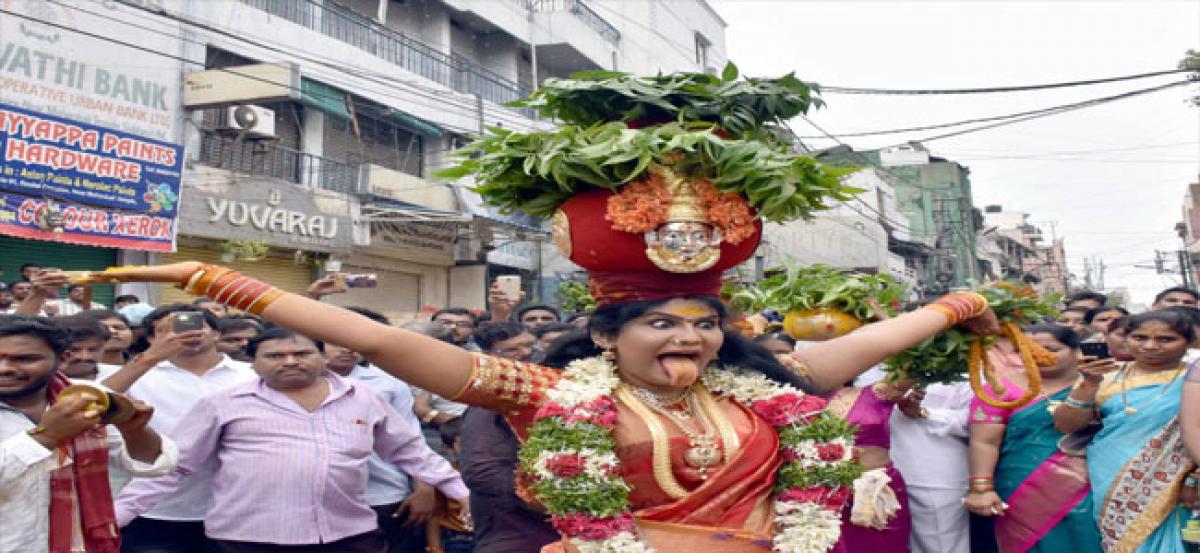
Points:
x=292, y=448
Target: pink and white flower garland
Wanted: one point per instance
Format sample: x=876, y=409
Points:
x=570, y=464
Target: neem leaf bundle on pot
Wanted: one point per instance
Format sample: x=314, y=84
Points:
x=956, y=355
x=818, y=301
x=616, y=128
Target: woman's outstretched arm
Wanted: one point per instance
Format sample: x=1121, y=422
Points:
x=417, y=359
x=835, y=362
x=414, y=358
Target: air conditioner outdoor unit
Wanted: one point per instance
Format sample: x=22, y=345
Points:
x=255, y=121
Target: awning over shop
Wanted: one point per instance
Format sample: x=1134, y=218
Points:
x=412, y=123
x=325, y=98
x=393, y=211
x=332, y=101
x=514, y=226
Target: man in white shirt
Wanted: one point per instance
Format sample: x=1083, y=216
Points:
x=929, y=448
x=35, y=422
x=178, y=370
x=76, y=302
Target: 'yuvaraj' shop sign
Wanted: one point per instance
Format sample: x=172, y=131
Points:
x=258, y=209
x=72, y=182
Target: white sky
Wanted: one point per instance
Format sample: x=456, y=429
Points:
x=1120, y=205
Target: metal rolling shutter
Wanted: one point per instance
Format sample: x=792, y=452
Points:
x=278, y=271
x=15, y=252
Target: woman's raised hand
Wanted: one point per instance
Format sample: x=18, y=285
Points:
x=984, y=325
x=1093, y=370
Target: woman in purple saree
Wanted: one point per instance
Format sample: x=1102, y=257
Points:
x=1039, y=494
x=869, y=408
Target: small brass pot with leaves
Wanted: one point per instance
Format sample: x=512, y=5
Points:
x=814, y=325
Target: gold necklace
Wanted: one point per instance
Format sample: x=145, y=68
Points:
x=703, y=450
x=1052, y=404
x=661, y=450
x=1125, y=386
x=676, y=405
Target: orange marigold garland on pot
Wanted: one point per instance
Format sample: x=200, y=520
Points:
x=639, y=206
x=729, y=211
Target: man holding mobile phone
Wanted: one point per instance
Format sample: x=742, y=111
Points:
x=181, y=366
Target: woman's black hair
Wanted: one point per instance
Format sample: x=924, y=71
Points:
x=777, y=335
x=737, y=350
x=1064, y=335
x=1095, y=311
x=1178, y=321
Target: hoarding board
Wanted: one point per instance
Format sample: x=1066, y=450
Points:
x=70, y=181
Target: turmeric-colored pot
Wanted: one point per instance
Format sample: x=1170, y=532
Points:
x=819, y=324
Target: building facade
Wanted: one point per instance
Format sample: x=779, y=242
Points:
x=862, y=235
x=311, y=128
x=1011, y=247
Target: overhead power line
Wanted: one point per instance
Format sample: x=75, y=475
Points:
x=1061, y=109
x=994, y=89
x=1014, y=117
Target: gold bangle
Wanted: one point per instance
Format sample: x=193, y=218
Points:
x=269, y=297
x=983, y=303
x=206, y=285
x=190, y=285
x=951, y=318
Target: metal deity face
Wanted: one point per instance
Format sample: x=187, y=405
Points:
x=684, y=247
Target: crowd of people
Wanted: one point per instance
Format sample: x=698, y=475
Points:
x=252, y=435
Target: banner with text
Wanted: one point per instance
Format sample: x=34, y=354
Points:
x=68, y=181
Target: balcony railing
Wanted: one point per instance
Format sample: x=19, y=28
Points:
x=269, y=160
x=345, y=25
x=584, y=13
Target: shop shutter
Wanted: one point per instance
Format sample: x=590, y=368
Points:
x=398, y=295
x=278, y=271
x=15, y=252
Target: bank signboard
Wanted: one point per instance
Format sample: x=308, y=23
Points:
x=93, y=62
x=69, y=181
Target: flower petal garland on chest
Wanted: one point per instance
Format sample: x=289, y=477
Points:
x=570, y=461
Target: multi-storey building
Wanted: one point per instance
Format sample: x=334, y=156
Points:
x=863, y=235
x=312, y=127
x=1011, y=247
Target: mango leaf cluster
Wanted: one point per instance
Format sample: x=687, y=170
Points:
x=793, y=287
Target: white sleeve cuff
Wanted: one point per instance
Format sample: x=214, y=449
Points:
x=168, y=458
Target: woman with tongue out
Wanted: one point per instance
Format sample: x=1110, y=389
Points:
x=664, y=431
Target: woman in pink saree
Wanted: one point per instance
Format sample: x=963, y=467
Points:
x=1038, y=494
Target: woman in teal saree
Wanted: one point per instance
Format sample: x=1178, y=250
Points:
x=1137, y=462
x=1039, y=495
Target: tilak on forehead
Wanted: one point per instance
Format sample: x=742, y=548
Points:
x=690, y=312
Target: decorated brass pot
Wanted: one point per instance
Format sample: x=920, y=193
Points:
x=815, y=325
